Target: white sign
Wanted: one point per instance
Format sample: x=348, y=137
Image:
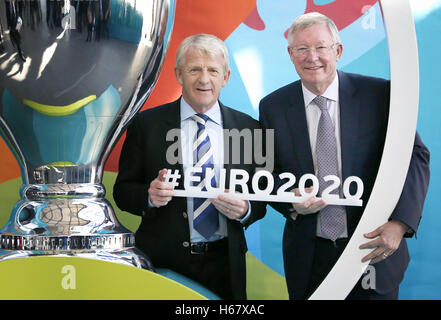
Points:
x=239, y=178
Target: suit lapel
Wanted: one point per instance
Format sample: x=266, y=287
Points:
x=295, y=115
x=228, y=123
x=173, y=121
x=349, y=119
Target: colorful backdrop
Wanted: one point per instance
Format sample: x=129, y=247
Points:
x=254, y=32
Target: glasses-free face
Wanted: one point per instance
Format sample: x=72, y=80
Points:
x=315, y=56
x=202, y=76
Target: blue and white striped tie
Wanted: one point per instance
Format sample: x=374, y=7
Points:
x=205, y=215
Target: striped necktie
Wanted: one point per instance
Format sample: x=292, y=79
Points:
x=205, y=215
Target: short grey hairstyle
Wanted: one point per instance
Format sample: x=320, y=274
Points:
x=308, y=20
x=204, y=44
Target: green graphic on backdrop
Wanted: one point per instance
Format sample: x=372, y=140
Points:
x=58, y=278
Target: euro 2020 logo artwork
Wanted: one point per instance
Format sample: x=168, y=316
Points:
x=239, y=178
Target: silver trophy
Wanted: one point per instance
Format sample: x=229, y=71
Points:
x=72, y=75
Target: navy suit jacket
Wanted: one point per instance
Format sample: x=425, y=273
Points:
x=364, y=109
x=164, y=232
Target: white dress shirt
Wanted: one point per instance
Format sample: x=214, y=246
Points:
x=313, y=114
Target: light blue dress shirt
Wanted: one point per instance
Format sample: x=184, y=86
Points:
x=188, y=135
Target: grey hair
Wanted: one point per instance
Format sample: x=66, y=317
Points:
x=308, y=20
x=204, y=44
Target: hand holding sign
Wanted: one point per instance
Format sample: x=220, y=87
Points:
x=160, y=192
x=311, y=205
x=232, y=208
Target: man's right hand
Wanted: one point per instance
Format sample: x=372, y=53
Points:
x=312, y=205
x=160, y=192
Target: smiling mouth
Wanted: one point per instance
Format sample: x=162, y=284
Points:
x=313, y=68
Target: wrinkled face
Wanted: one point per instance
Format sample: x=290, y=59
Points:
x=202, y=76
x=316, y=68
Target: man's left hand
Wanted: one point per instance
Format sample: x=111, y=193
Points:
x=387, y=239
x=233, y=208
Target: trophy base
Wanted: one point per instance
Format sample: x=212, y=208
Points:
x=128, y=256
x=68, y=220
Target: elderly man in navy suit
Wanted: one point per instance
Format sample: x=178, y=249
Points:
x=334, y=123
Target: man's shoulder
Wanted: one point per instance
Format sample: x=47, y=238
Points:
x=362, y=80
x=283, y=92
x=245, y=119
x=156, y=113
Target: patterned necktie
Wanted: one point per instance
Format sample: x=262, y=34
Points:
x=205, y=215
x=332, y=218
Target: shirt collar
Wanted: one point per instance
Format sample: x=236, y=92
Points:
x=214, y=113
x=330, y=93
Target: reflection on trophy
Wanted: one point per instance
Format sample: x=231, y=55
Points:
x=71, y=78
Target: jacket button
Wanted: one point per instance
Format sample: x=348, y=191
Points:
x=185, y=215
x=185, y=244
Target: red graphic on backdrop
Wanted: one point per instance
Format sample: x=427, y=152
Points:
x=342, y=12
x=254, y=21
